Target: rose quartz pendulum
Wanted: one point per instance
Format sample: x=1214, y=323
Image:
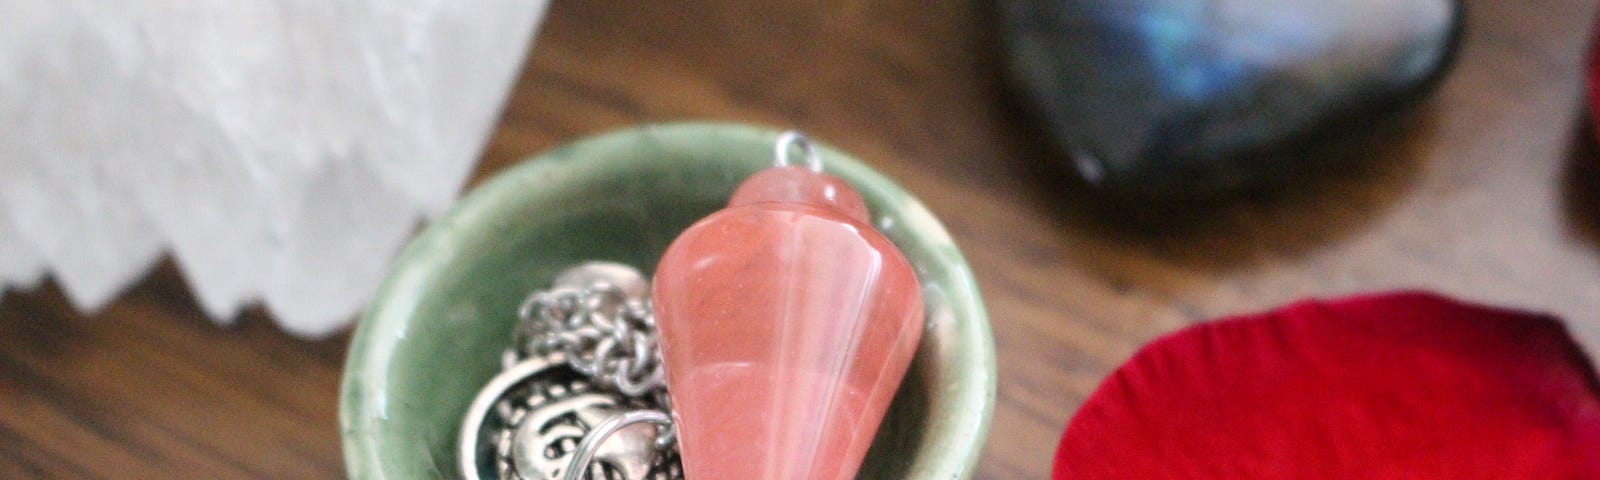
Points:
x=786, y=323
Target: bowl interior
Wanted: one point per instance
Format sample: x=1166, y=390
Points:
x=433, y=335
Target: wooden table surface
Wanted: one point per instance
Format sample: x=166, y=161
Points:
x=1486, y=191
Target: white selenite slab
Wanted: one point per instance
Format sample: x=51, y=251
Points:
x=280, y=150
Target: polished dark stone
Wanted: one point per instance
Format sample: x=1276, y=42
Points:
x=1183, y=97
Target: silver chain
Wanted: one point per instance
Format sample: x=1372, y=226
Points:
x=602, y=332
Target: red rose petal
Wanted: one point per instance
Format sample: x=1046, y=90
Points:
x=1398, y=386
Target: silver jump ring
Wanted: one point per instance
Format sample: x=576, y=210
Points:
x=579, y=465
x=791, y=139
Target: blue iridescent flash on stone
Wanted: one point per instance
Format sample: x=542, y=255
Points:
x=1178, y=97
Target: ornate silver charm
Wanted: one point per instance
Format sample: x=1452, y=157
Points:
x=547, y=437
x=581, y=396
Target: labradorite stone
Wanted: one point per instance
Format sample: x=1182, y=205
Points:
x=1165, y=97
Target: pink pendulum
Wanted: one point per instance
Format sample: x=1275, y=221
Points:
x=786, y=324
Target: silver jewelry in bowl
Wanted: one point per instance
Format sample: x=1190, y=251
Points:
x=581, y=395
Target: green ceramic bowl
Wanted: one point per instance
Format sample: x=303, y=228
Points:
x=434, y=333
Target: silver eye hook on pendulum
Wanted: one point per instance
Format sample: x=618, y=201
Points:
x=791, y=140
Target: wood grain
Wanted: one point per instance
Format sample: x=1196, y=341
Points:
x=1488, y=191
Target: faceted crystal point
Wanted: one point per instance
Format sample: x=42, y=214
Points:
x=786, y=324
